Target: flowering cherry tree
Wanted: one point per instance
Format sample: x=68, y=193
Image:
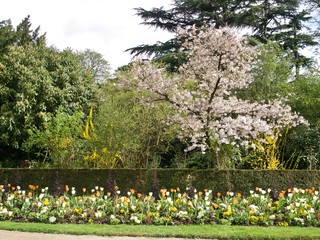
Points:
x=203, y=92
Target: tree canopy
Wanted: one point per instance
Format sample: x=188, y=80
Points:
x=285, y=22
x=203, y=92
x=94, y=62
x=36, y=82
x=225, y=102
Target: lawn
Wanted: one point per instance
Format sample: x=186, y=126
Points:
x=182, y=231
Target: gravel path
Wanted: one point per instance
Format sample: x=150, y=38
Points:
x=14, y=235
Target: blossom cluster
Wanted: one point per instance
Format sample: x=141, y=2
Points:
x=293, y=207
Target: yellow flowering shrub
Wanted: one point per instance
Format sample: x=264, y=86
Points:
x=266, y=151
x=100, y=157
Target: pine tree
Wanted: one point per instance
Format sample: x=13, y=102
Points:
x=283, y=21
x=186, y=13
x=26, y=35
x=20, y=36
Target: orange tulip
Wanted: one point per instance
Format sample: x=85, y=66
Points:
x=281, y=195
x=32, y=187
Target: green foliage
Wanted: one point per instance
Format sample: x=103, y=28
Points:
x=137, y=132
x=58, y=143
x=96, y=64
x=304, y=142
x=272, y=78
x=283, y=22
x=7, y=36
x=45, y=95
x=21, y=72
x=25, y=35
x=184, y=14
x=271, y=75
x=305, y=98
x=40, y=82
x=36, y=81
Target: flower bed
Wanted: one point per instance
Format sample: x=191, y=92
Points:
x=293, y=207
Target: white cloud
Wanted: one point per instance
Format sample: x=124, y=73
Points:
x=109, y=27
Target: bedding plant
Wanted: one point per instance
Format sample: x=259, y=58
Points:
x=291, y=207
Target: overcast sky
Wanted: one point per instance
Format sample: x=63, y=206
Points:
x=108, y=27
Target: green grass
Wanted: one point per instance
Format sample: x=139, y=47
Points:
x=182, y=231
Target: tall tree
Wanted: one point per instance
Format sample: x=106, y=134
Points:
x=284, y=22
x=275, y=20
x=36, y=82
x=20, y=36
x=186, y=13
x=203, y=92
x=26, y=35
x=94, y=61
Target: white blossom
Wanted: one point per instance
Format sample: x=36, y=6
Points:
x=135, y=219
x=52, y=219
x=98, y=214
x=272, y=217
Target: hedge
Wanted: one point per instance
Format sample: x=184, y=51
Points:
x=146, y=180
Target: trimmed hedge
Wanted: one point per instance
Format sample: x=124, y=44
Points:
x=146, y=180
